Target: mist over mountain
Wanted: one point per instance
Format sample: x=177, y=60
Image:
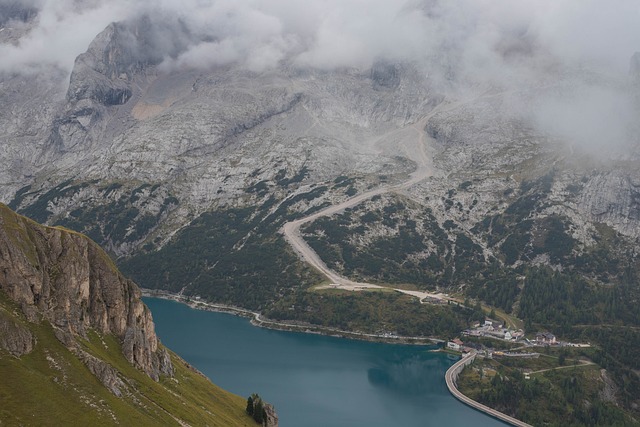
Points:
x=186, y=95
x=464, y=47
x=484, y=148
x=481, y=36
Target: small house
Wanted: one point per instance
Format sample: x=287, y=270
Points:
x=517, y=335
x=546, y=338
x=491, y=323
x=456, y=344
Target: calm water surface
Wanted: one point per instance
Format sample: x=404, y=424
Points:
x=315, y=380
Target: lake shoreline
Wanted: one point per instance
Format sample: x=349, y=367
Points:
x=258, y=320
x=311, y=379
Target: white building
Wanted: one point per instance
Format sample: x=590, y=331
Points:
x=456, y=345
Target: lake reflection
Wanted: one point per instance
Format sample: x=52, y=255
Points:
x=412, y=376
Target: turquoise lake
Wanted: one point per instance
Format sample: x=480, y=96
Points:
x=314, y=380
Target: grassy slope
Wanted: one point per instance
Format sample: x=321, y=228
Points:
x=50, y=386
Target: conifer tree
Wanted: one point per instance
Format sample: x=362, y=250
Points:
x=250, y=405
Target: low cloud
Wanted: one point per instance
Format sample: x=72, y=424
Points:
x=601, y=120
x=61, y=31
x=512, y=44
x=477, y=37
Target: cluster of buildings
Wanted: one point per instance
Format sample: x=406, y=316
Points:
x=458, y=345
x=494, y=329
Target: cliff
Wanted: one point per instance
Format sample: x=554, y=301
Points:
x=69, y=281
x=67, y=318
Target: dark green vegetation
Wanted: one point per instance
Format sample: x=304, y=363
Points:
x=234, y=257
x=520, y=235
x=577, y=394
x=237, y=257
x=38, y=209
x=583, y=311
x=123, y=215
x=414, y=250
x=51, y=386
x=255, y=408
x=372, y=312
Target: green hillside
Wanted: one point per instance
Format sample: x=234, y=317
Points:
x=51, y=386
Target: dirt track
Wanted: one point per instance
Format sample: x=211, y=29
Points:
x=414, y=150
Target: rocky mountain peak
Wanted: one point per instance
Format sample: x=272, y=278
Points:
x=101, y=73
x=104, y=72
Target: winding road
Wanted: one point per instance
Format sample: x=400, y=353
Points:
x=414, y=149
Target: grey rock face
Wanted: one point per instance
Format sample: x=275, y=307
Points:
x=105, y=72
x=205, y=137
x=15, y=10
x=490, y=143
x=271, y=416
x=106, y=373
x=385, y=75
x=202, y=139
x=15, y=338
x=74, y=285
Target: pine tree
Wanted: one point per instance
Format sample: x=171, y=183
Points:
x=258, y=411
x=562, y=357
x=250, y=405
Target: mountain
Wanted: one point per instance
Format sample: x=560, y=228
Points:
x=510, y=179
x=77, y=345
x=161, y=163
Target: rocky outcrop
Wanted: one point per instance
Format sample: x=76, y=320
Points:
x=271, y=418
x=73, y=284
x=106, y=373
x=262, y=412
x=101, y=73
x=106, y=75
x=101, y=78
x=207, y=135
x=104, y=72
x=14, y=338
x=132, y=138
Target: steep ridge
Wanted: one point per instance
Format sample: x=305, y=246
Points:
x=67, y=315
x=76, y=287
